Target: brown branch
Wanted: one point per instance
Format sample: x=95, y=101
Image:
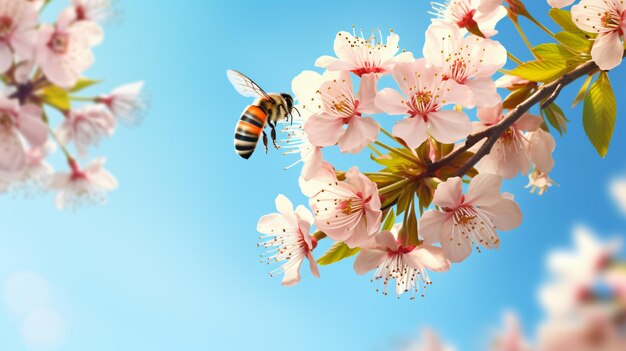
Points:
x=548, y=92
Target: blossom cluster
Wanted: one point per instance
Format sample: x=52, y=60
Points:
x=584, y=303
x=42, y=66
x=441, y=179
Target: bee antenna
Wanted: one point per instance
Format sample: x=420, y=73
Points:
x=299, y=115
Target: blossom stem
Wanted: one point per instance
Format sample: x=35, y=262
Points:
x=514, y=58
x=395, y=186
x=319, y=235
x=523, y=35
x=541, y=26
x=81, y=98
x=375, y=150
x=67, y=154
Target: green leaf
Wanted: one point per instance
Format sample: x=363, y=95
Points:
x=540, y=71
x=56, y=97
x=390, y=221
x=599, y=114
x=339, y=251
x=555, y=116
x=564, y=19
x=83, y=83
x=583, y=91
x=553, y=51
x=574, y=42
x=517, y=97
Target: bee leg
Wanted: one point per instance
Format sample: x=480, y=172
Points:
x=265, y=141
x=273, y=134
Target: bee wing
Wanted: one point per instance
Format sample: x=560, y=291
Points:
x=245, y=86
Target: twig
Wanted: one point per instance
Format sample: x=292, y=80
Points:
x=548, y=91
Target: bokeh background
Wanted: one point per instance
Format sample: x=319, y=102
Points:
x=171, y=262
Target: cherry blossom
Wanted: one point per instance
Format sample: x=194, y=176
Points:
x=305, y=87
x=18, y=22
x=34, y=176
x=476, y=16
x=86, y=127
x=64, y=51
x=512, y=82
x=80, y=187
x=405, y=264
x=512, y=338
x=19, y=124
x=347, y=211
x=515, y=151
x=91, y=10
x=288, y=239
x=472, y=219
x=469, y=61
x=539, y=181
x=605, y=18
x=340, y=108
x=364, y=56
x=126, y=103
x=427, y=92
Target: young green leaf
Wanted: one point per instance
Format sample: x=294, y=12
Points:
x=574, y=42
x=583, y=91
x=554, y=51
x=564, y=19
x=55, y=97
x=555, y=116
x=599, y=114
x=390, y=221
x=339, y=251
x=540, y=71
x=83, y=83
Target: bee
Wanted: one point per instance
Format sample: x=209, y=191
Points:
x=267, y=109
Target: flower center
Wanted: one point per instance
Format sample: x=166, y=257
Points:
x=81, y=13
x=610, y=20
x=459, y=70
x=464, y=215
x=466, y=20
x=423, y=102
x=6, y=26
x=59, y=43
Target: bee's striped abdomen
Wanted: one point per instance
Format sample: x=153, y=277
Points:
x=249, y=130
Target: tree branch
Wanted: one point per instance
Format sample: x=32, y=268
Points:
x=548, y=92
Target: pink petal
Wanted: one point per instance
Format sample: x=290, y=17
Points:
x=313, y=265
x=449, y=193
x=292, y=273
x=433, y=225
x=387, y=241
x=449, y=127
x=361, y=132
x=607, y=51
x=6, y=57
x=368, y=260
x=323, y=130
x=391, y=102
x=456, y=251
x=529, y=122
x=367, y=94
x=429, y=257
x=484, y=190
x=12, y=153
x=542, y=144
x=490, y=115
x=412, y=131
x=484, y=92
x=506, y=214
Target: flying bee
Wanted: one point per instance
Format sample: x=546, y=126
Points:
x=267, y=109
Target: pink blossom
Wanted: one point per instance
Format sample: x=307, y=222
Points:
x=347, y=211
x=430, y=342
x=83, y=187
x=469, y=220
x=126, y=102
x=560, y=3
x=469, y=61
x=288, y=239
x=511, y=82
x=305, y=87
x=512, y=338
x=64, y=51
x=341, y=120
x=364, y=56
x=91, y=10
x=86, y=127
x=18, y=22
x=515, y=151
x=393, y=261
x=19, y=124
x=605, y=18
x=427, y=92
x=34, y=176
x=477, y=16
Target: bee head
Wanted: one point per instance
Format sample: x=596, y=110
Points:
x=289, y=101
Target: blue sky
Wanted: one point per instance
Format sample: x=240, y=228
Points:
x=171, y=262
